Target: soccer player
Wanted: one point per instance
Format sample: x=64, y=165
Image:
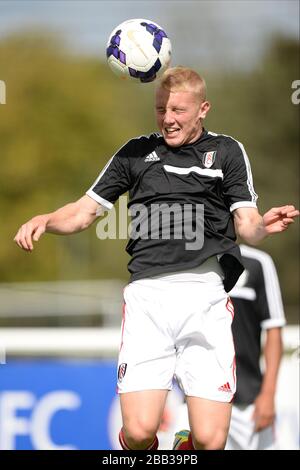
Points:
x=258, y=307
x=177, y=314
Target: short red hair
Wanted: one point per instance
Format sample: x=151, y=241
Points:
x=183, y=79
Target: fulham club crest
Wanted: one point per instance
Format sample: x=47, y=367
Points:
x=209, y=158
x=121, y=371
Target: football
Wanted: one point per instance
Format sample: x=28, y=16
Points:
x=138, y=49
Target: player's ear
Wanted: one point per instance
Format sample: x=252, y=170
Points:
x=204, y=108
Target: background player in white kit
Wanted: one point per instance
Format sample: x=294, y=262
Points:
x=177, y=312
x=257, y=308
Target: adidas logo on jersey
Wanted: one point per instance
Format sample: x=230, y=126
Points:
x=225, y=388
x=152, y=157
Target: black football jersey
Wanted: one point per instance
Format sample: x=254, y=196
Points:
x=213, y=173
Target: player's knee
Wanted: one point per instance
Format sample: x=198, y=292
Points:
x=209, y=439
x=139, y=435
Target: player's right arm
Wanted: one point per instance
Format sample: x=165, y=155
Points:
x=72, y=218
x=264, y=405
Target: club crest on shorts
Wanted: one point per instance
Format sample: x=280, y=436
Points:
x=208, y=158
x=122, y=371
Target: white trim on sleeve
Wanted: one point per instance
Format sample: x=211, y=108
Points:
x=239, y=204
x=272, y=323
x=100, y=200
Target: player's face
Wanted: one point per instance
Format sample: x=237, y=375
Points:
x=179, y=115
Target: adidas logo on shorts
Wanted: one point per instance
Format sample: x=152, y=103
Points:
x=225, y=388
x=152, y=157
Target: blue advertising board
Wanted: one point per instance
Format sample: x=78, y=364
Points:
x=56, y=404
x=72, y=404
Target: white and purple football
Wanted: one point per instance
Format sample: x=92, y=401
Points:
x=138, y=49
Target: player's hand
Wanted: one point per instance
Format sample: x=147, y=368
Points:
x=278, y=219
x=31, y=231
x=264, y=411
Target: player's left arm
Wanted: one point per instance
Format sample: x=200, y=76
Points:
x=253, y=228
x=264, y=405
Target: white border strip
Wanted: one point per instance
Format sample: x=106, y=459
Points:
x=200, y=171
x=272, y=323
x=102, y=172
x=99, y=199
x=59, y=341
x=237, y=205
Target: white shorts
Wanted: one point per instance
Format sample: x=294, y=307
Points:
x=178, y=325
x=241, y=432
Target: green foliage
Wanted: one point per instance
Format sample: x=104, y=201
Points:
x=66, y=115
x=64, y=118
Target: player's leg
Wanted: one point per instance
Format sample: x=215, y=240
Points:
x=141, y=413
x=146, y=364
x=206, y=366
x=209, y=422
